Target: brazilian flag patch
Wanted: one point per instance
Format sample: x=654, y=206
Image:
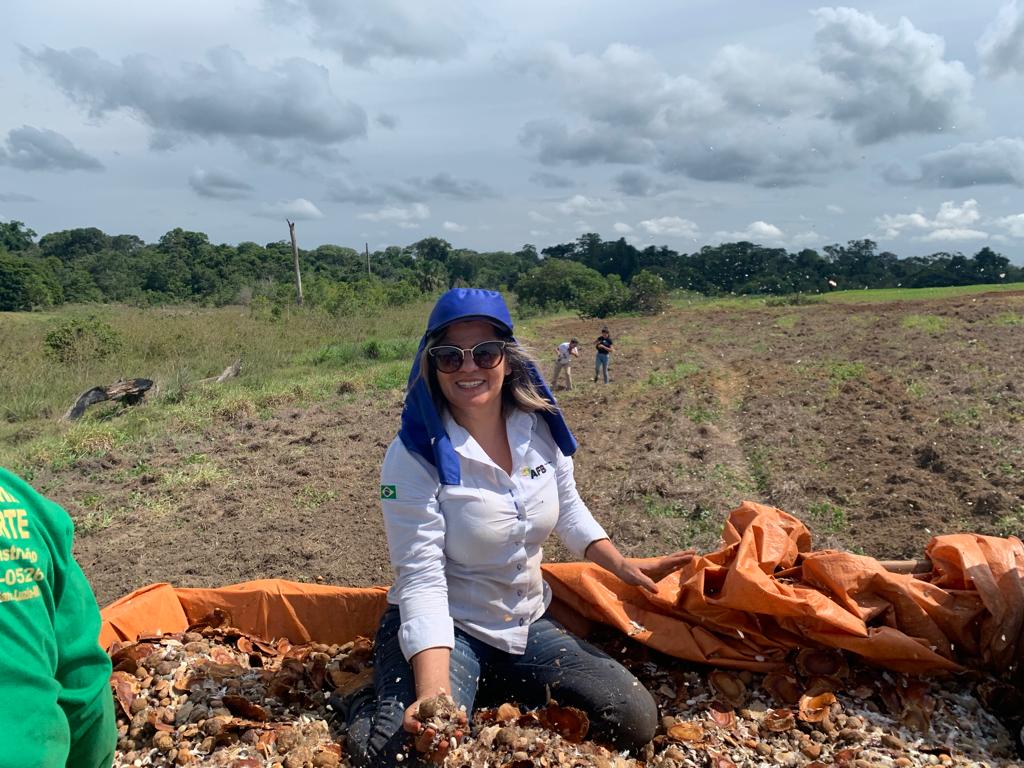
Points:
x=388, y=492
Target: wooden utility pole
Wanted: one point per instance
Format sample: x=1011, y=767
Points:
x=295, y=255
x=367, y=246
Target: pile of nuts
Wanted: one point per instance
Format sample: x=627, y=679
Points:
x=215, y=696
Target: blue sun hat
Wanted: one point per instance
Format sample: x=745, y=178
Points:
x=422, y=430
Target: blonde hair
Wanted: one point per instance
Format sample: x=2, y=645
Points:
x=517, y=391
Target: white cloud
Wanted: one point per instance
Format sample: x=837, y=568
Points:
x=299, y=209
x=952, y=222
x=581, y=205
x=670, y=226
x=540, y=218
x=758, y=231
x=836, y=209
x=622, y=228
x=953, y=234
x=582, y=227
x=218, y=183
x=406, y=218
x=40, y=149
x=1001, y=45
x=451, y=226
x=1013, y=224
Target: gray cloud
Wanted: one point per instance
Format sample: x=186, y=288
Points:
x=223, y=97
x=1001, y=46
x=556, y=145
x=462, y=189
x=636, y=183
x=383, y=29
x=895, y=80
x=997, y=161
x=16, y=197
x=40, y=149
x=413, y=190
x=757, y=118
x=551, y=180
x=387, y=120
x=218, y=183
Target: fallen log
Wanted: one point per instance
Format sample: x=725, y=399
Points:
x=128, y=391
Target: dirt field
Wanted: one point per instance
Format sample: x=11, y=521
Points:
x=878, y=424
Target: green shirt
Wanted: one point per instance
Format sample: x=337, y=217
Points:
x=56, y=708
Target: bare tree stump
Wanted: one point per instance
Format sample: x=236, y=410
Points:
x=129, y=391
x=228, y=373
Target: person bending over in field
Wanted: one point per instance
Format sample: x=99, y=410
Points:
x=477, y=478
x=564, y=353
x=55, y=703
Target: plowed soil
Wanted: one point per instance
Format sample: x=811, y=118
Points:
x=880, y=425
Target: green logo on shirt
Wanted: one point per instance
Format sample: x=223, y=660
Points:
x=388, y=492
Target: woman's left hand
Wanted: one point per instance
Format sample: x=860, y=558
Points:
x=646, y=574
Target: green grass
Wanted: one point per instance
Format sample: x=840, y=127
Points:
x=927, y=323
x=916, y=294
x=828, y=517
x=311, y=498
x=701, y=414
x=1012, y=523
x=292, y=359
x=695, y=526
x=787, y=321
x=678, y=372
x=757, y=460
x=1008, y=318
x=840, y=371
x=917, y=389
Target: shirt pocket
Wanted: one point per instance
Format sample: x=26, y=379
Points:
x=478, y=525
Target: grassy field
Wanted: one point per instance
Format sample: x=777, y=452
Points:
x=297, y=357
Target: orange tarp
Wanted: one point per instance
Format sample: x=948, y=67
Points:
x=746, y=605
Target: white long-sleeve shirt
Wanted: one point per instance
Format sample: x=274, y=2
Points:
x=470, y=554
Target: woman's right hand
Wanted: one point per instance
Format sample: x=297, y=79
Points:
x=424, y=736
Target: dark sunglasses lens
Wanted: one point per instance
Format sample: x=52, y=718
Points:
x=448, y=359
x=488, y=354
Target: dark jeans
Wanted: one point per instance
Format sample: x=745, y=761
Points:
x=622, y=712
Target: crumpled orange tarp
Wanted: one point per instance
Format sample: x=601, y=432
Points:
x=746, y=605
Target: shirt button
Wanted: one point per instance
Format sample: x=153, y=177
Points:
x=521, y=622
x=519, y=592
x=519, y=566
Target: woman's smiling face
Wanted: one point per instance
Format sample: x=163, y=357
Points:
x=472, y=390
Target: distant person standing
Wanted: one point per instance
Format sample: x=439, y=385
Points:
x=55, y=702
x=564, y=354
x=603, y=345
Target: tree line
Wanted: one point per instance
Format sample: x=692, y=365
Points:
x=592, y=276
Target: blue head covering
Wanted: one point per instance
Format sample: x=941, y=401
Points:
x=423, y=429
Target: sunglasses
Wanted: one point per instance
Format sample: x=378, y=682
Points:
x=486, y=354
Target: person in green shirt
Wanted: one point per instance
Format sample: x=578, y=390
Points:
x=56, y=708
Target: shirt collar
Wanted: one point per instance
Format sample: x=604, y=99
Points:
x=519, y=425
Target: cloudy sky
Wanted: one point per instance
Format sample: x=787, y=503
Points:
x=504, y=122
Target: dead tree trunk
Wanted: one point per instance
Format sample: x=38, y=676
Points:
x=295, y=255
x=130, y=392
